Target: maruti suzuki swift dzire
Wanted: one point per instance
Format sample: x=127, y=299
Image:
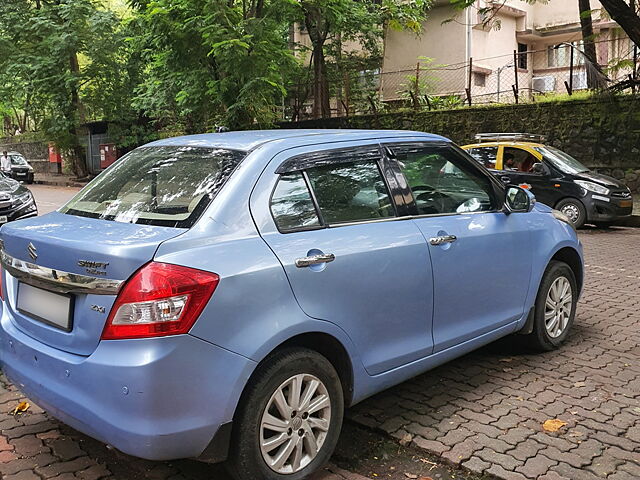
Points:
x=226, y=296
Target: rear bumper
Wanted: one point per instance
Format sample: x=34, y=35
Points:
x=159, y=399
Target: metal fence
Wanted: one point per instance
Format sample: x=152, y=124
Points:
x=520, y=77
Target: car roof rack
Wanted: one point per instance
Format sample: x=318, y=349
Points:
x=512, y=137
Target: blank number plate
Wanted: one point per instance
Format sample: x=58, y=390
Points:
x=48, y=307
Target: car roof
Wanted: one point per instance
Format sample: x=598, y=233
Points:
x=250, y=139
x=504, y=144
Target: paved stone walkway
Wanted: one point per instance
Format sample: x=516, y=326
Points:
x=485, y=411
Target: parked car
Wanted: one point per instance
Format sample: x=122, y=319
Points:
x=16, y=201
x=226, y=296
x=20, y=168
x=555, y=177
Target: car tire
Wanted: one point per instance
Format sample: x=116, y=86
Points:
x=289, y=448
x=574, y=209
x=555, y=307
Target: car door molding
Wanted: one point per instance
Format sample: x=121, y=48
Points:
x=336, y=156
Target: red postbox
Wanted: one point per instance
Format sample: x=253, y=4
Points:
x=55, y=159
x=108, y=154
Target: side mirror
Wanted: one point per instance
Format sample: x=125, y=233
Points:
x=518, y=200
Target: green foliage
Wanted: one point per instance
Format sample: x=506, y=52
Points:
x=213, y=62
x=59, y=66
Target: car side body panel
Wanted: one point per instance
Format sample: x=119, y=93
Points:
x=167, y=397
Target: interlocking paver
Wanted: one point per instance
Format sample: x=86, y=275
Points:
x=483, y=411
x=592, y=383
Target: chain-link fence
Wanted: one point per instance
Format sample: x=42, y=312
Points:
x=520, y=77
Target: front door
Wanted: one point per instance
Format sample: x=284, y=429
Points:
x=523, y=168
x=332, y=223
x=481, y=257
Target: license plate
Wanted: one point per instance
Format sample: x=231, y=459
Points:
x=51, y=308
x=22, y=174
x=3, y=219
x=626, y=203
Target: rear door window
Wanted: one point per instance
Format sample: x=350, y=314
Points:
x=486, y=156
x=291, y=204
x=165, y=186
x=351, y=192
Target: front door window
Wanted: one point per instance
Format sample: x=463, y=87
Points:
x=442, y=183
x=519, y=160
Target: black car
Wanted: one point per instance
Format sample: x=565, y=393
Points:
x=556, y=178
x=16, y=201
x=20, y=168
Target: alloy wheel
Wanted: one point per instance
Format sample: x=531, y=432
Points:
x=558, y=307
x=295, y=423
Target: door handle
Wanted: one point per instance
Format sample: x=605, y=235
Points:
x=315, y=260
x=442, y=239
x=505, y=179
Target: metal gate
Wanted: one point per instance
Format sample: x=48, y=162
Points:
x=93, y=151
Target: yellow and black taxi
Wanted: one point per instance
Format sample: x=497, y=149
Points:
x=555, y=177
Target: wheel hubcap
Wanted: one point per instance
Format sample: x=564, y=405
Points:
x=558, y=307
x=295, y=423
x=572, y=212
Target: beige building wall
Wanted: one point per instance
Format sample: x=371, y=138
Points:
x=451, y=37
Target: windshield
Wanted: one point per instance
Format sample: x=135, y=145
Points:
x=164, y=186
x=17, y=160
x=563, y=161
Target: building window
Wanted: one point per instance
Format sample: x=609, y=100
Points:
x=479, y=79
x=522, y=55
x=560, y=55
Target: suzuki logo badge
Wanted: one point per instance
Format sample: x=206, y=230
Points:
x=33, y=253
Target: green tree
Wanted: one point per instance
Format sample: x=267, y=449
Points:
x=364, y=22
x=51, y=53
x=213, y=62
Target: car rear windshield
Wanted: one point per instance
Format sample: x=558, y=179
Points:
x=164, y=186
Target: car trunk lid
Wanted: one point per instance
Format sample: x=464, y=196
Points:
x=108, y=252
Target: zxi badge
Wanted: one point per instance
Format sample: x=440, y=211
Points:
x=33, y=253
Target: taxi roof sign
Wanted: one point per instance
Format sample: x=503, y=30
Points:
x=510, y=137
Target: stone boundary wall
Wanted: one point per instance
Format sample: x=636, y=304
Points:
x=602, y=133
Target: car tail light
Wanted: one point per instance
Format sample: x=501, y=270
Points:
x=160, y=299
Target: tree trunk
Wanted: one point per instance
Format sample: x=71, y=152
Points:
x=586, y=23
x=321, y=105
x=339, y=85
x=318, y=29
x=622, y=13
x=76, y=117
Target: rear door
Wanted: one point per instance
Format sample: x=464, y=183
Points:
x=481, y=257
x=330, y=219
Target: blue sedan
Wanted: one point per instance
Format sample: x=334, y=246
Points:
x=225, y=296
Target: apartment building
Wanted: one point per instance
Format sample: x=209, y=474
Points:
x=544, y=35
x=458, y=49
